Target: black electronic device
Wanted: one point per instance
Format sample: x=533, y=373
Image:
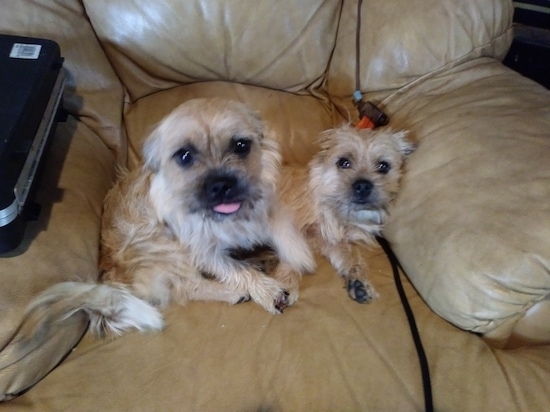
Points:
x=31, y=88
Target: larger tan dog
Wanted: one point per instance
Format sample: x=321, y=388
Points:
x=172, y=228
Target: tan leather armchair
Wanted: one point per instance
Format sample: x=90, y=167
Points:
x=471, y=226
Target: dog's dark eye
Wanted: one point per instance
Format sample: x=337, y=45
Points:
x=343, y=163
x=242, y=146
x=383, y=167
x=184, y=157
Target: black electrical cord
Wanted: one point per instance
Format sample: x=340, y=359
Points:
x=423, y=360
x=357, y=94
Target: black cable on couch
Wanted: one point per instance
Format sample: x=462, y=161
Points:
x=422, y=358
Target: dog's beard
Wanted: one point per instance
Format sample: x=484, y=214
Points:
x=349, y=210
x=375, y=216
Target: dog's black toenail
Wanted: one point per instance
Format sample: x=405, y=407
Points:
x=243, y=299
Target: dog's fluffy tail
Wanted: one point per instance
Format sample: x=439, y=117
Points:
x=112, y=309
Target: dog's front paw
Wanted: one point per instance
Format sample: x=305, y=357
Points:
x=289, y=280
x=361, y=292
x=271, y=295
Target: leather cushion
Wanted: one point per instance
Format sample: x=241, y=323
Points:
x=471, y=223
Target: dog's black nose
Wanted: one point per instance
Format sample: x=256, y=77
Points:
x=362, y=189
x=221, y=187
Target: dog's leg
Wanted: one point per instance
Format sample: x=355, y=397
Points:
x=351, y=267
x=236, y=275
x=293, y=250
x=181, y=285
x=207, y=287
x=291, y=246
x=290, y=279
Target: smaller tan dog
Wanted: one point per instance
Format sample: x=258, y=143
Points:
x=342, y=197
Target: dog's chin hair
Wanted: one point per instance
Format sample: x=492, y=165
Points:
x=370, y=217
x=375, y=217
x=196, y=226
x=196, y=231
x=199, y=225
x=368, y=221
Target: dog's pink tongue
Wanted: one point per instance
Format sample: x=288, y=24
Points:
x=227, y=208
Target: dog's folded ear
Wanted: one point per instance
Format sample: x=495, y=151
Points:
x=404, y=145
x=151, y=151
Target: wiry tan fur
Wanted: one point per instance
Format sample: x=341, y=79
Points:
x=325, y=197
x=164, y=238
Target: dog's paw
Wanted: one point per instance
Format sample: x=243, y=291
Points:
x=289, y=281
x=361, y=292
x=271, y=295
